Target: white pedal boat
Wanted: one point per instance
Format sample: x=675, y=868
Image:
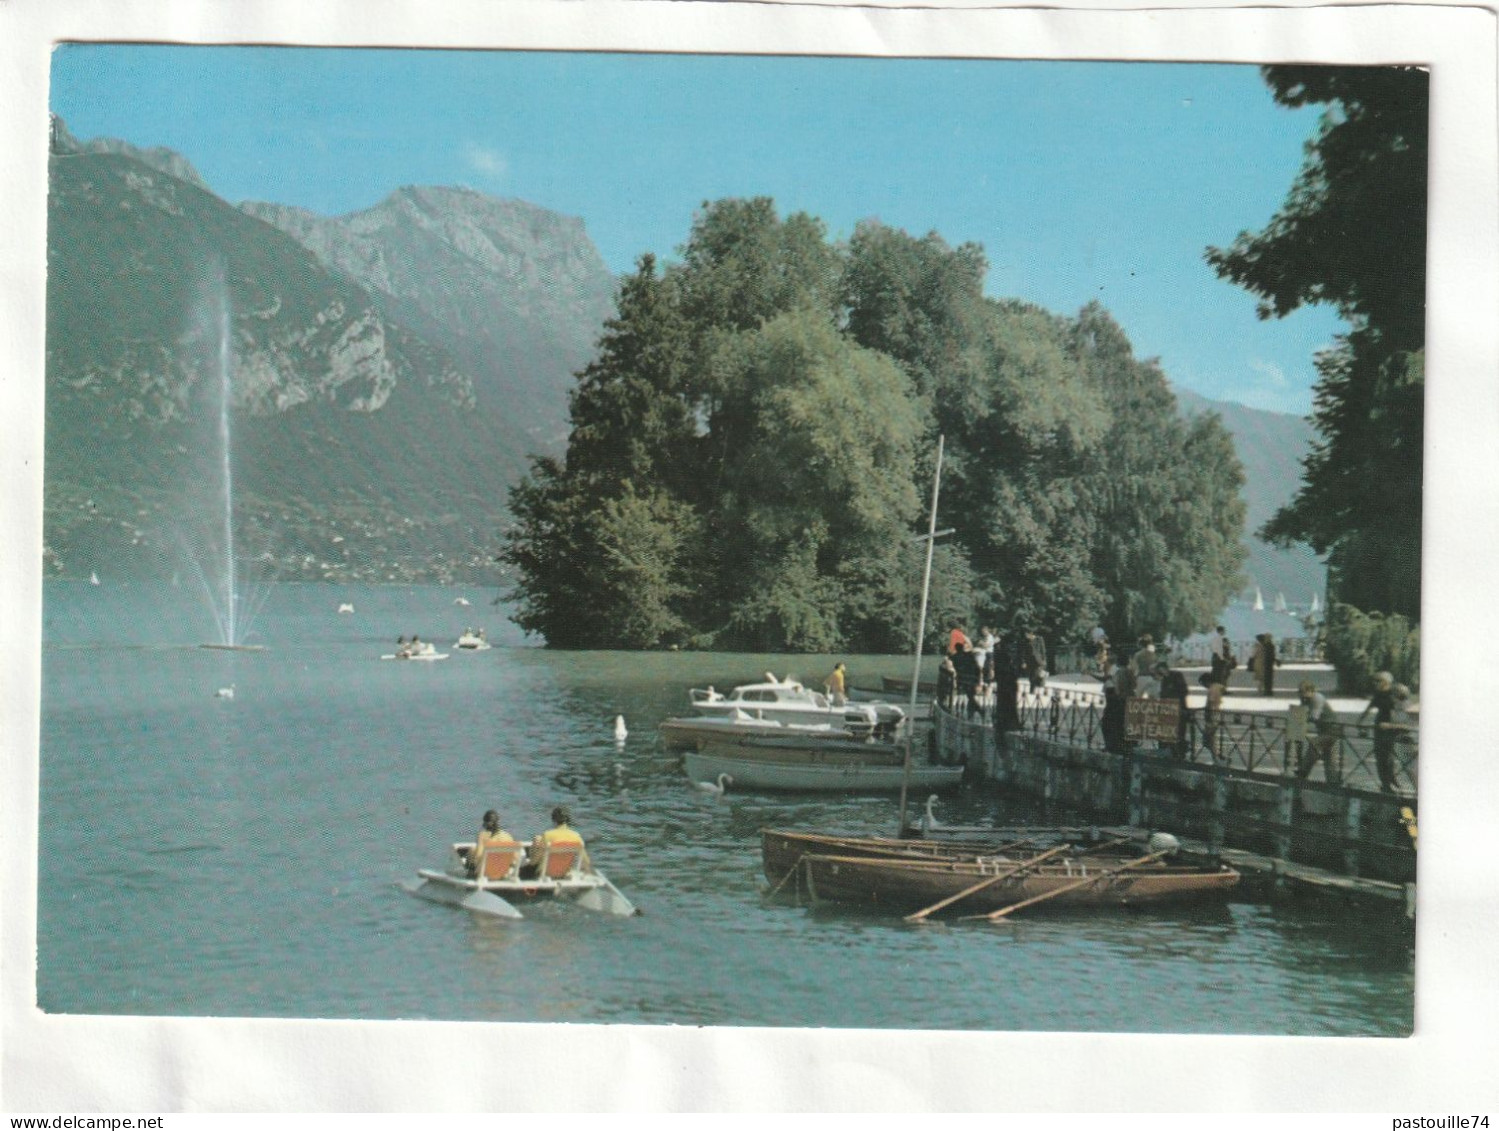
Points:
x=562, y=873
x=422, y=652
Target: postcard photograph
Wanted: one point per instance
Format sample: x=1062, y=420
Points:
x=571, y=458
x=758, y=541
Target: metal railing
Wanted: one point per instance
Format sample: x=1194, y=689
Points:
x=1247, y=741
x=1288, y=650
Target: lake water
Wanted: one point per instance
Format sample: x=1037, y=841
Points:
x=241, y=857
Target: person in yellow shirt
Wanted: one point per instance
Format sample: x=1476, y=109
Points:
x=490, y=836
x=560, y=833
x=836, y=685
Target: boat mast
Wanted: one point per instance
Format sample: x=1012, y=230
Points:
x=926, y=586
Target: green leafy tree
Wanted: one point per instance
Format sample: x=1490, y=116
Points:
x=632, y=420
x=919, y=301
x=1020, y=434
x=1163, y=496
x=751, y=448
x=551, y=547
x=1360, y=644
x=1352, y=233
x=1014, y=408
x=600, y=544
x=743, y=265
x=638, y=587
x=820, y=483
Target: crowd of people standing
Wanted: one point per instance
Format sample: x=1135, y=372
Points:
x=974, y=672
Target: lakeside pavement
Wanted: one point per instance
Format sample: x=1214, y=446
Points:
x=1242, y=694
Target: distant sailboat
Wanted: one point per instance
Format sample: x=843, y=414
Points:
x=1280, y=603
x=1259, y=600
x=1316, y=604
x=93, y=579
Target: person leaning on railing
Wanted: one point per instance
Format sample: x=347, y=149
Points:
x=1323, y=744
x=1212, y=716
x=1385, y=702
x=947, y=683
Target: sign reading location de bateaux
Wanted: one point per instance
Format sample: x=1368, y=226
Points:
x=1151, y=719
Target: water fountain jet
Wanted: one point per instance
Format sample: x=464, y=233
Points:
x=233, y=609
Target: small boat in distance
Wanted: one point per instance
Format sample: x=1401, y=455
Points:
x=346, y=608
x=415, y=650
x=473, y=640
x=563, y=872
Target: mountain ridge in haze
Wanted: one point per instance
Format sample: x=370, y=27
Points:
x=394, y=368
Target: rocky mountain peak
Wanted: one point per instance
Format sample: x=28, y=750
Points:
x=158, y=157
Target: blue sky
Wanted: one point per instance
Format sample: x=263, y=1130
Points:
x=1081, y=180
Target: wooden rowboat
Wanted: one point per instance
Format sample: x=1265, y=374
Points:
x=905, y=886
x=781, y=850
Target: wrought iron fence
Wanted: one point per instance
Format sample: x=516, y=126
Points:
x=1288, y=650
x=1255, y=743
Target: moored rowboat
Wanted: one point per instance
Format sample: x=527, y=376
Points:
x=781, y=850
x=905, y=886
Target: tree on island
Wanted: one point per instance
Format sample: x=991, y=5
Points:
x=1352, y=232
x=751, y=449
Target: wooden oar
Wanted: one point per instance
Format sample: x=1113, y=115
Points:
x=996, y=916
x=791, y=871
x=918, y=916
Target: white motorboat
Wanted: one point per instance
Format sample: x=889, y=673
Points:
x=473, y=641
x=686, y=733
x=497, y=885
x=787, y=701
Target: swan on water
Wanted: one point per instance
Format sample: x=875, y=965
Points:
x=461, y=601
x=621, y=732
x=716, y=788
x=224, y=692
